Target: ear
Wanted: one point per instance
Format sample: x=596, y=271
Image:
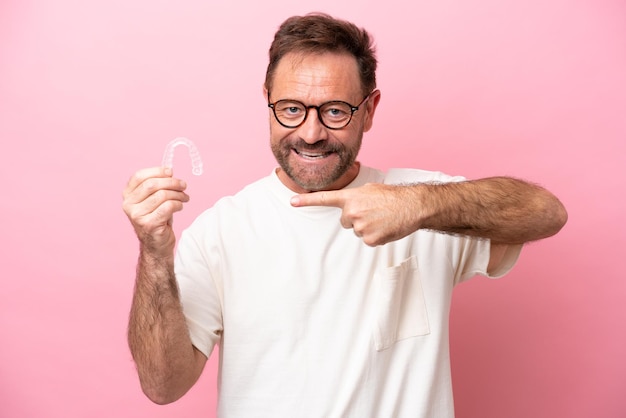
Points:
x=371, y=105
x=265, y=93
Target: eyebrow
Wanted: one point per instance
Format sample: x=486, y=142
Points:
x=305, y=103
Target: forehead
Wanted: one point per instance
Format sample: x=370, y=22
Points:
x=317, y=77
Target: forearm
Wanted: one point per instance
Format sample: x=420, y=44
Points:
x=505, y=210
x=158, y=336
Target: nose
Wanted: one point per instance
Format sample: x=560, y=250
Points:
x=312, y=130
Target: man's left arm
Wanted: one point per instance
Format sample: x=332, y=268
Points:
x=505, y=210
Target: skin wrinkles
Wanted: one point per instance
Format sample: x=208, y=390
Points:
x=312, y=157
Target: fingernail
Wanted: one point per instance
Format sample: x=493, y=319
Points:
x=295, y=201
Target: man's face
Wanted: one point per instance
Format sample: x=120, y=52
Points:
x=311, y=156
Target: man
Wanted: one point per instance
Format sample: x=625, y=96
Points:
x=326, y=284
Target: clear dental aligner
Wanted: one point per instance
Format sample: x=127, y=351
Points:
x=194, y=154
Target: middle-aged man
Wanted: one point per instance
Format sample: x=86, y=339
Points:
x=327, y=284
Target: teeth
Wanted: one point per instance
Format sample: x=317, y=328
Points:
x=310, y=155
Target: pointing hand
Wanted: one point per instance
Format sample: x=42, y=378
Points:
x=377, y=213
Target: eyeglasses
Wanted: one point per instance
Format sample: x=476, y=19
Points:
x=333, y=115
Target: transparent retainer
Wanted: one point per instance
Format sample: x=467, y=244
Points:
x=194, y=154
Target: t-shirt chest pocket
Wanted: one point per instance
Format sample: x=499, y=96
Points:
x=400, y=310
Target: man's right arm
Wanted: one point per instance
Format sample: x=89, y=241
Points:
x=167, y=363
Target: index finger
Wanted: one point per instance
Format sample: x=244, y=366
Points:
x=332, y=198
x=146, y=173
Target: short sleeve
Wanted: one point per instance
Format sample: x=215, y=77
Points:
x=468, y=256
x=200, y=296
x=473, y=255
x=509, y=259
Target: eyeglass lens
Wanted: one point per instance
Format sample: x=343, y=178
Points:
x=292, y=113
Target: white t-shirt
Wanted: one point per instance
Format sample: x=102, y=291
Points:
x=312, y=322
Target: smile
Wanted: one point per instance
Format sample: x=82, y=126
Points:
x=312, y=155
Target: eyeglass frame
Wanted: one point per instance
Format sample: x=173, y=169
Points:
x=317, y=108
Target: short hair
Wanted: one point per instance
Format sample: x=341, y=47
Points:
x=319, y=33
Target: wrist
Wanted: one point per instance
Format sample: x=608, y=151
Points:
x=423, y=206
x=156, y=258
x=439, y=206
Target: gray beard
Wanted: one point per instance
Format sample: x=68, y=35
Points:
x=315, y=180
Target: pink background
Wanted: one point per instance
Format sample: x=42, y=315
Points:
x=92, y=91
